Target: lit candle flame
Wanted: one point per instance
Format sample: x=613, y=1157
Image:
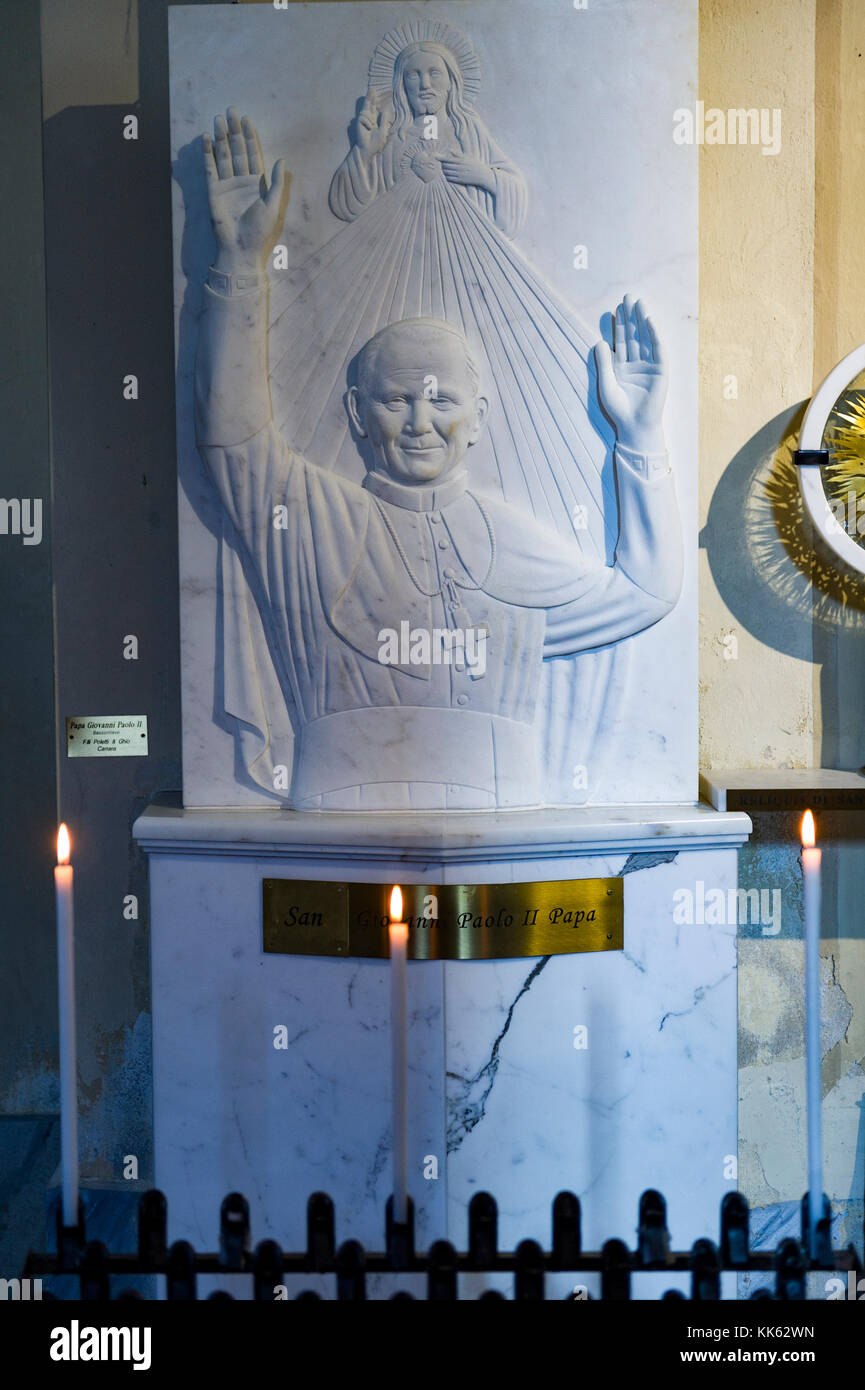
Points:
x=396, y=904
x=807, y=831
x=63, y=845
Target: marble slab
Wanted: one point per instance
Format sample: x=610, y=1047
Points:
x=603, y=711
x=499, y=1094
x=233, y=1113
x=825, y=787
x=515, y=843
x=650, y=1101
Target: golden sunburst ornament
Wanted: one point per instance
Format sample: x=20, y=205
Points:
x=804, y=575
x=844, y=474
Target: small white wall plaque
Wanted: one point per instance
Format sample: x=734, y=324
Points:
x=106, y=736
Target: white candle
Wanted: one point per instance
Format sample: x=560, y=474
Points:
x=68, y=1056
x=398, y=938
x=811, y=858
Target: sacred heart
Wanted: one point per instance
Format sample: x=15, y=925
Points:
x=426, y=166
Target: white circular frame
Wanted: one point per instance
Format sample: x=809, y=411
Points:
x=810, y=479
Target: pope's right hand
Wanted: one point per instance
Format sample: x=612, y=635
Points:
x=247, y=214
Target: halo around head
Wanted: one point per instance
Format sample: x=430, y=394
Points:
x=384, y=57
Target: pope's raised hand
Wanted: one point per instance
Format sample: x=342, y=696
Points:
x=247, y=213
x=632, y=379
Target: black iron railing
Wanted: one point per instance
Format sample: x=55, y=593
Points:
x=529, y=1264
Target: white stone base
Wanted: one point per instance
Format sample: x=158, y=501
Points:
x=499, y=1094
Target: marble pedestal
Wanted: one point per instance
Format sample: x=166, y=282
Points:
x=500, y=1096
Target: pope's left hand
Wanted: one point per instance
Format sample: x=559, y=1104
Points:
x=632, y=380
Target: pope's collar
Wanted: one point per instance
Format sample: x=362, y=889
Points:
x=418, y=499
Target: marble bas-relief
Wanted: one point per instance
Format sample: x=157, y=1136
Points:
x=414, y=608
x=415, y=543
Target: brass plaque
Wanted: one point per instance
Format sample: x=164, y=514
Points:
x=312, y=917
x=795, y=799
x=486, y=921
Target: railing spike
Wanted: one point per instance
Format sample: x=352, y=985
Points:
x=567, y=1230
x=233, y=1231
x=735, y=1230
x=268, y=1270
x=95, y=1274
x=529, y=1275
x=821, y=1255
x=615, y=1272
x=483, y=1230
x=320, y=1232
x=442, y=1276
x=180, y=1277
x=705, y=1272
x=71, y=1240
x=790, y=1265
x=351, y=1272
x=399, y=1237
x=653, y=1238
x=152, y=1227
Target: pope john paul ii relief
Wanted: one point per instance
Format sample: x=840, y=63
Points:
x=404, y=628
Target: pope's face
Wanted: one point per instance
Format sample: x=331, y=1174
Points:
x=419, y=409
x=427, y=83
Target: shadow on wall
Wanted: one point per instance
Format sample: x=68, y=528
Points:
x=782, y=583
x=114, y=555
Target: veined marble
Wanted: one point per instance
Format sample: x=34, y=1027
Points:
x=498, y=1092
